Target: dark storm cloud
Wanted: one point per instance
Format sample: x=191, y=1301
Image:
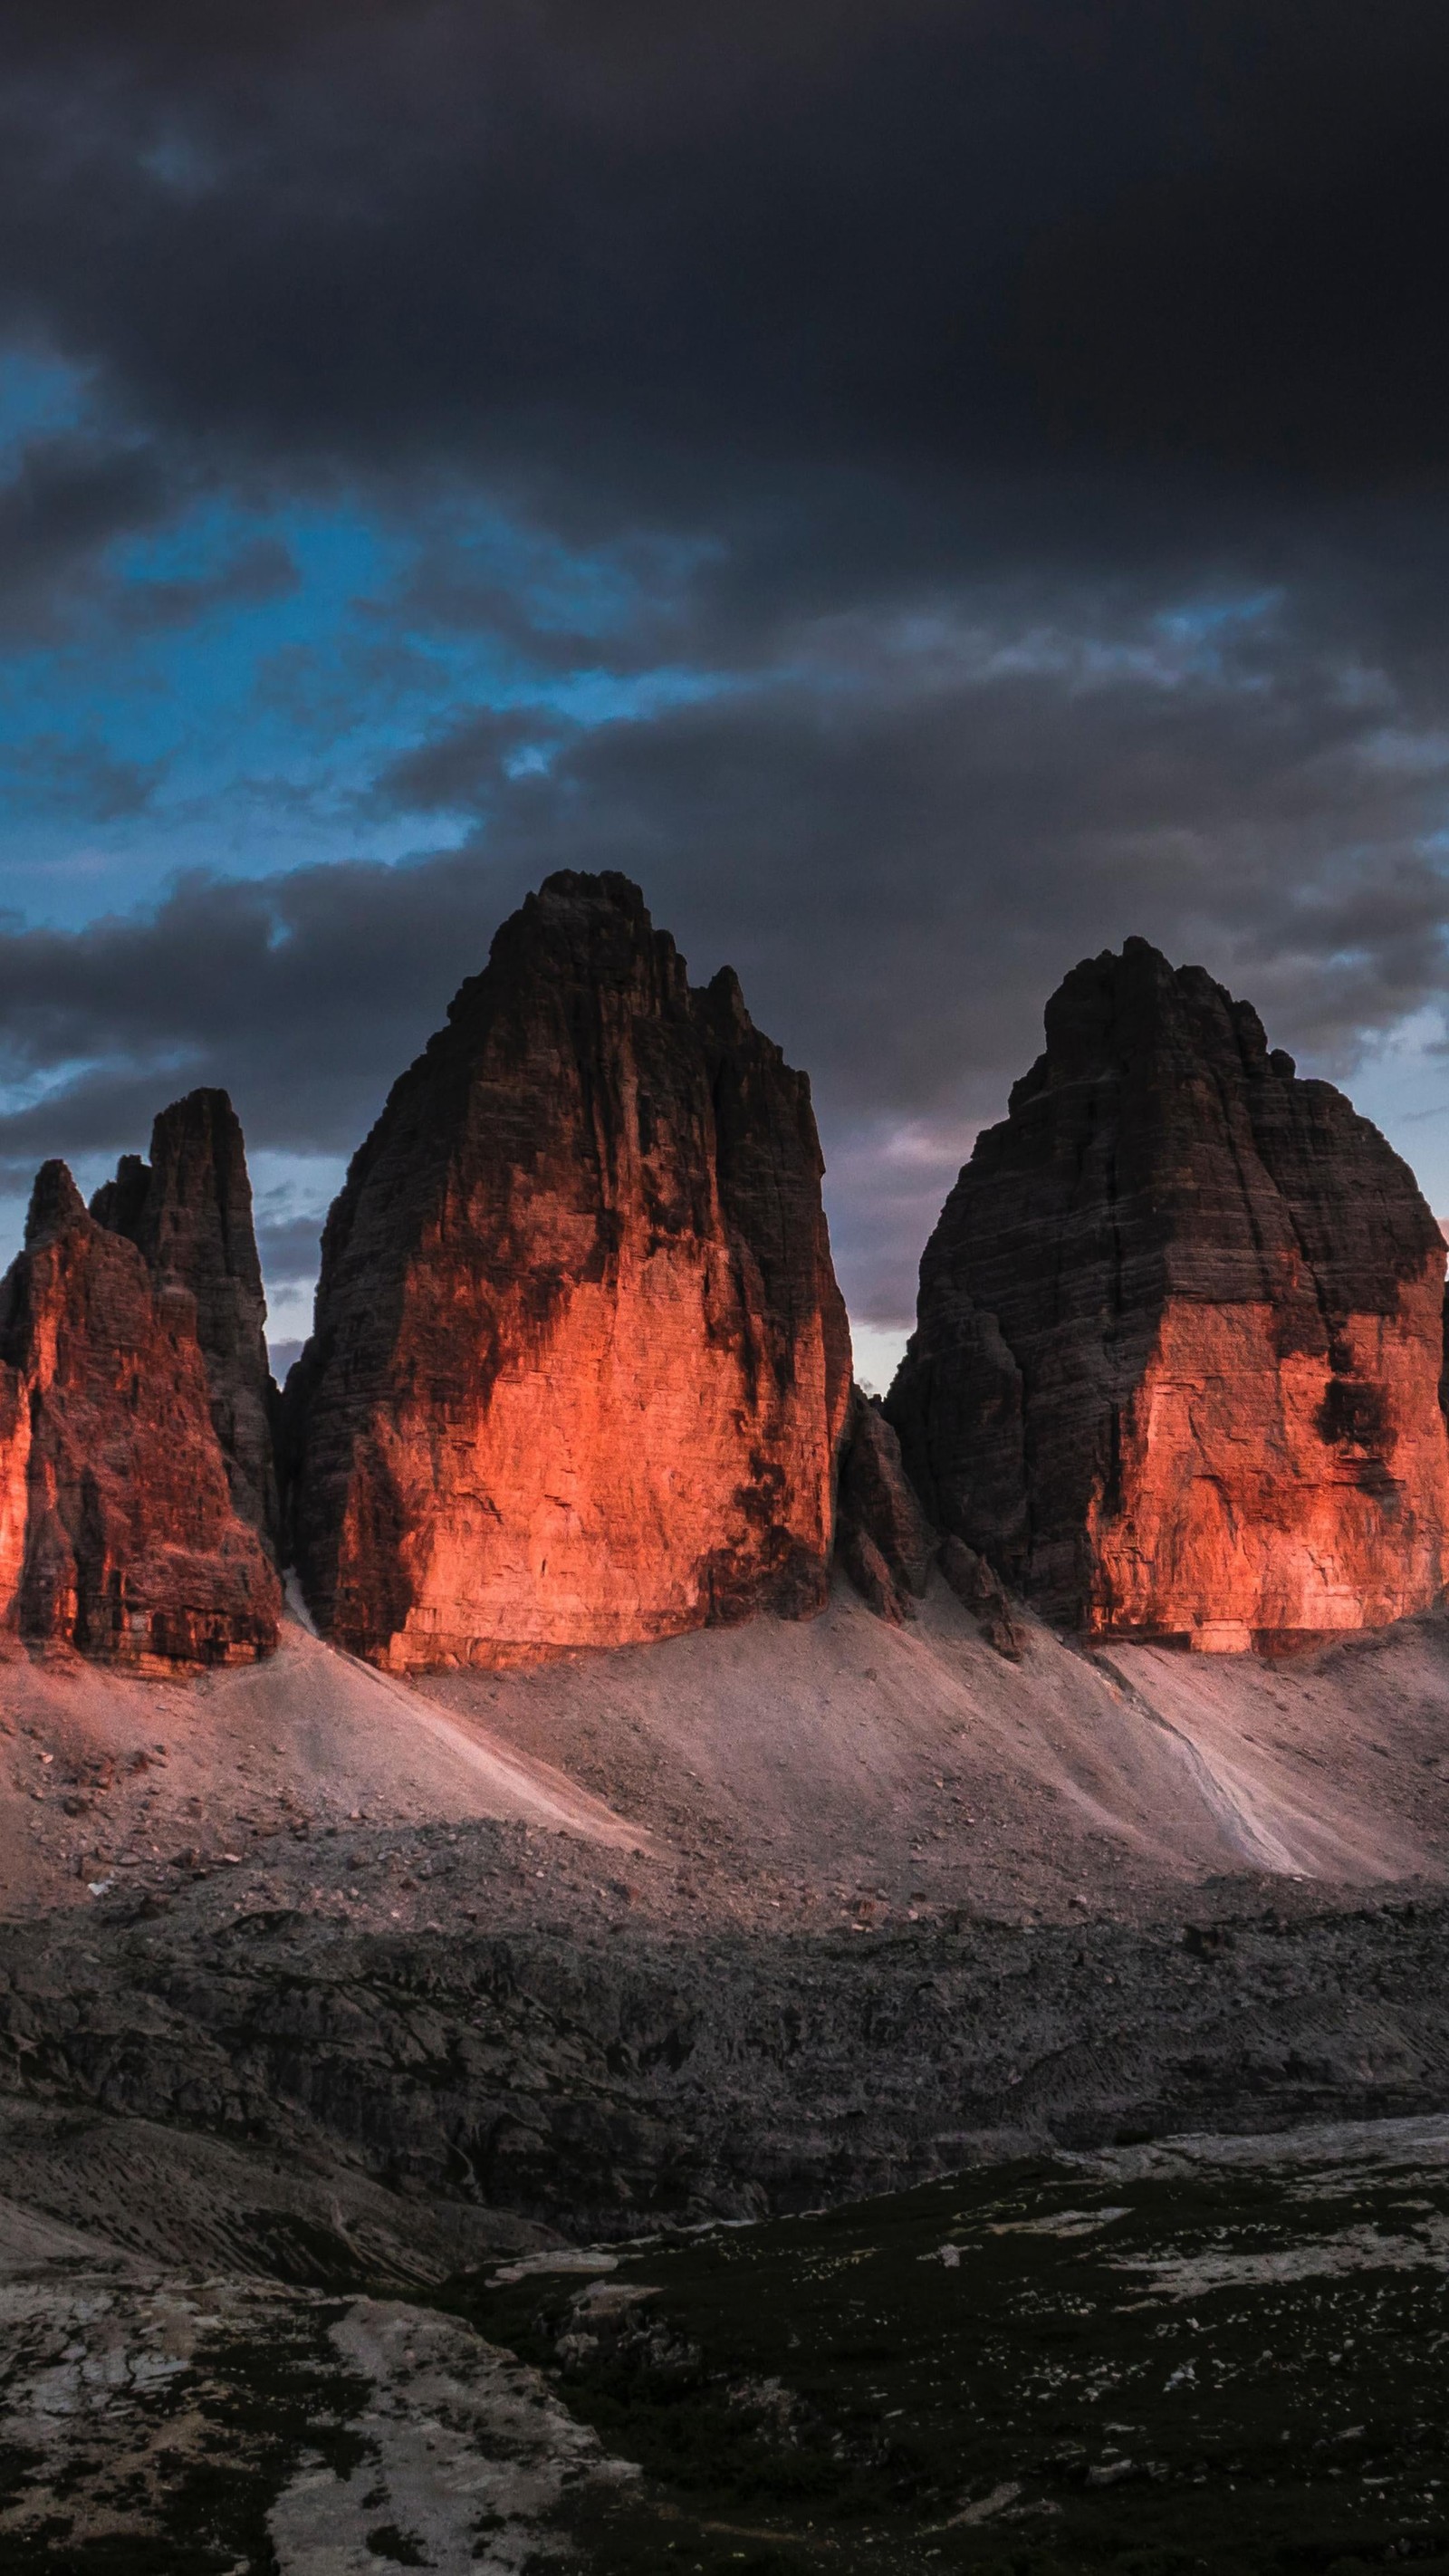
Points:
x=289, y=1248
x=256, y=574
x=66, y=500
x=845, y=286
x=608, y=245
x=302, y=995
x=1023, y=421
x=468, y=763
x=933, y=866
x=62, y=503
x=80, y=778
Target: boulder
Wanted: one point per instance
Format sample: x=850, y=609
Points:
x=118, y=1534
x=189, y=1212
x=979, y=1588
x=580, y=1366
x=872, y=1577
x=1179, y=1337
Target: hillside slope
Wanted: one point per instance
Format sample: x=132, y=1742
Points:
x=771, y=1773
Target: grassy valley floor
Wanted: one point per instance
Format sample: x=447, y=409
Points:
x=1229, y=2356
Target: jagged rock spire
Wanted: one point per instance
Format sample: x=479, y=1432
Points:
x=580, y=1365
x=189, y=1212
x=118, y=1533
x=1179, y=1335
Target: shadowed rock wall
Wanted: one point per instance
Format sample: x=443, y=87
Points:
x=580, y=1365
x=602, y=2085
x=1179, y=1334
x=189, y=1212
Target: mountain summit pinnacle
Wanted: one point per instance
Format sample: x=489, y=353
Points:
x=1176, y=1365
x=580, y=1365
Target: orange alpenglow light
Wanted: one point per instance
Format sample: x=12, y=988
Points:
x=1180, y=1334
x=118, y=1532
x=580, y=1366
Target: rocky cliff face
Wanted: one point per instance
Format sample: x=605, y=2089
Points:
x=580, y=1365
x=117, y=1530
x=189, y=1212
x=883, y=1538
x=1179, y=1341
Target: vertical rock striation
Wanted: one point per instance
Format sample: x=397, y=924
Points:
x=189, y=1212
x=883, y=1538
x=117, y=1529
x=1179, y=1337
x=580, y=1365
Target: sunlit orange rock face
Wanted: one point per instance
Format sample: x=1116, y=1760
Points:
x=118, y=1534
x=580, y=1365
x=1176, y=1369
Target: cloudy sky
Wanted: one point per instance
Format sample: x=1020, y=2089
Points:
x=927, y=486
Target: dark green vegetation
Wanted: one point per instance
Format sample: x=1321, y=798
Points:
x=206, y=2451
x=1151, y=2362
